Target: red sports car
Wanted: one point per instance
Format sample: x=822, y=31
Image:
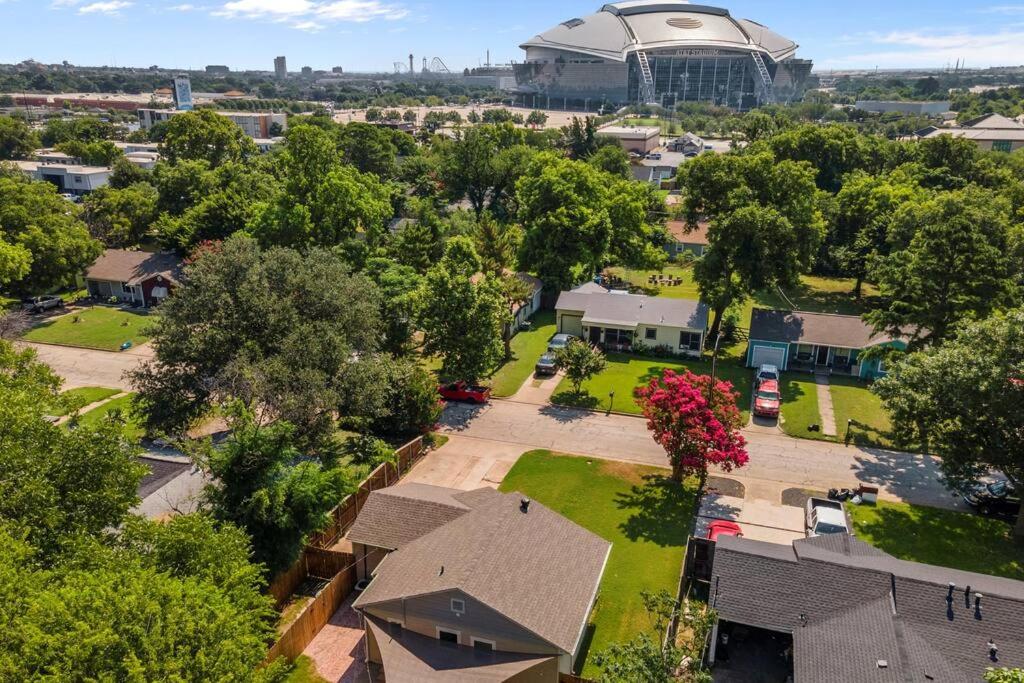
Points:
x=722, y=527
x=460, y=391
x=767, y=400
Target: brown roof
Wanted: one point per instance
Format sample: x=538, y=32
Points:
x=683, y=234
x=414, y=657
x=394, y=516
x=825, y=329
x=536, y=568
x=133, y=267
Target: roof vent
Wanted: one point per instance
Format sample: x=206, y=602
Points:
x=883, y=664
x=684, y=22
x=993, y=651
x=441, y=573
x=572, y=23
x=524, y=505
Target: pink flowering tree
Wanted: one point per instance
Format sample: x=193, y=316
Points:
x=693, y=433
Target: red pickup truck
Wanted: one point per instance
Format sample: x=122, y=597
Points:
x=460, y=391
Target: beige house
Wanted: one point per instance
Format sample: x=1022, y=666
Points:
x=991, y=133
x=617, y=321
x=639, y=139
x=479, y=585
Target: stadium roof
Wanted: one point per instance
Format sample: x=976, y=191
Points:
x=620, y=28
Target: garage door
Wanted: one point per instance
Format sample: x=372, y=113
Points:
x=571, y=324
x=769, y=355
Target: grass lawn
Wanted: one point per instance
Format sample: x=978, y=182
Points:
x=821, y=295
x=98, y=327
x=686, y=290
x=83, y=396
x=638, y=509
x=626, y=372
x=852, y=399
x=941, y=537
x=800, y=405
x=527, y=347
x=304, y=672
x=133, y=429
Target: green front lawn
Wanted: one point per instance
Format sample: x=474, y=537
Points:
x=800, y=405
x=821, y=295
x=97, y=327
x=133, y=428
x=941, y=537
x=638, y=509
x=527, y=347
x=84, y=396
x=626, y=372
x=852, y=399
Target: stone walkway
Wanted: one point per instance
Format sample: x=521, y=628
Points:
x=337, y=651
x=537, y=391
x=825, y=409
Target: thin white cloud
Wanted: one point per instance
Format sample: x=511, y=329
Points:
x=182, y=8
x=932, y=48
x=308, y=15
x=109, y=7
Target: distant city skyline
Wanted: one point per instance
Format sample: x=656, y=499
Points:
x=371, y=35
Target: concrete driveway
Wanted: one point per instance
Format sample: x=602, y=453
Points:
x=761, y=520
x=777, y=462
x=467, y=464
x=90, y=367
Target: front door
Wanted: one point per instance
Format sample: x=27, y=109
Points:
x=822, y=355
x=595, y=335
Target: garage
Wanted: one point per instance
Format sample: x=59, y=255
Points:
x=768, y=355
x=570, y=324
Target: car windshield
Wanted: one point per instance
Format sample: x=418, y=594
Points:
x=768, y=396
x=768, y=375
x=824, y=528
x=997, y=488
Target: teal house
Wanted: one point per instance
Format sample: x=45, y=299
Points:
x=816, y=342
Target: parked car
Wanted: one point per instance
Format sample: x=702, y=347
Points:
x=546, y=366
x=723, y=527
x=654, y=156
x=996, y=498
x=767, y=400
x=461, y=391
x=39, y=304
x=559, y=341
x=823, y=516
x=764, y=372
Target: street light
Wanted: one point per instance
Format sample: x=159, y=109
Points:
x=714, y=367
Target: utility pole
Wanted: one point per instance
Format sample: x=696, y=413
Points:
x=714, y=368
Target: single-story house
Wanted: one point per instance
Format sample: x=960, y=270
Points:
x=815, y=342
x=133, y=276
x=687, y=143
x=524, y=309
x=682, y=238
x=839, y=609
x=638, y=139
x=482, y=585
x=618, y=321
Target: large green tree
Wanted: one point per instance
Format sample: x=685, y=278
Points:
x=205, y=134
x=963, y=400
x=120, y=218
x=17, y=140
x=281, y=330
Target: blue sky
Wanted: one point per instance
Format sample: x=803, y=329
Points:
x=362, y=35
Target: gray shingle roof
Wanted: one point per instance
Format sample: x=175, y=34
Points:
x=849, y=605
x=631, y=310
x=825, y=329
x=133, y=267
x=394, y=516
x=537, y=568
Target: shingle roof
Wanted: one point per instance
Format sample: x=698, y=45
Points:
x=849, y=605
x=536, y=568
x=682, y=233
x=992, y=122
x=826, y=329
x=414, y=657
x=394, y=516
x=630, y=310
x=133, y=267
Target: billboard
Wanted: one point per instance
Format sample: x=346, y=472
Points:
x=182, y=93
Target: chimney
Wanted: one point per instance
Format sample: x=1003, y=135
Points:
x=524, y=505
x=977, y=605
x=952, y=587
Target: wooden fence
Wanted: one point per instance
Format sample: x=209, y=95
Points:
x=303, y=630
x=386, y=474
x=570, y=678
x=315, y=562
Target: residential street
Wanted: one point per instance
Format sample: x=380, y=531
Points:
x=777, y=461
x=91, y=368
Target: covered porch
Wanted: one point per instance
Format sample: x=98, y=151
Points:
x=609, y=336
x=834, y=360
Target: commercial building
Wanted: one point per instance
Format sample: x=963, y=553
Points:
x=991, y=132
x=280, y=67
x=662, y=52
x=217, y=70
x=255, y=124
x=70, y=178
x=918, y=108
x=639, y=139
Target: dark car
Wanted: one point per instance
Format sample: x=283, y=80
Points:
x=39, y=304
x=546, y=366
x=461, y=391
x=995, y=498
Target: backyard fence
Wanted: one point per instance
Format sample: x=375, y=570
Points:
x=315, y=562
x=386, y=474
x=570, y=678
x=317, y=613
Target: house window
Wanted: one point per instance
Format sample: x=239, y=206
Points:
x=458, y=606
x=679, y=248
x=689, y=340
x=447, y=636
x=620, y=337
x=651, y=333
x=804, y=351
x=841, y=357
x=395, y=629
x=482, y=645
x=78, y=178
x=1002, y=146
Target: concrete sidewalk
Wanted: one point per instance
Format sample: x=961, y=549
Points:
x=467, y=464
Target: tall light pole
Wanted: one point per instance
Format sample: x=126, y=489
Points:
x=714, y=367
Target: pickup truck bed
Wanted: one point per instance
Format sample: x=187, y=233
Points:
x=825, y=516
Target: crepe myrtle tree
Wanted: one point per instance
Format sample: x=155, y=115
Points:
x=580, y=361
x=697, y=423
